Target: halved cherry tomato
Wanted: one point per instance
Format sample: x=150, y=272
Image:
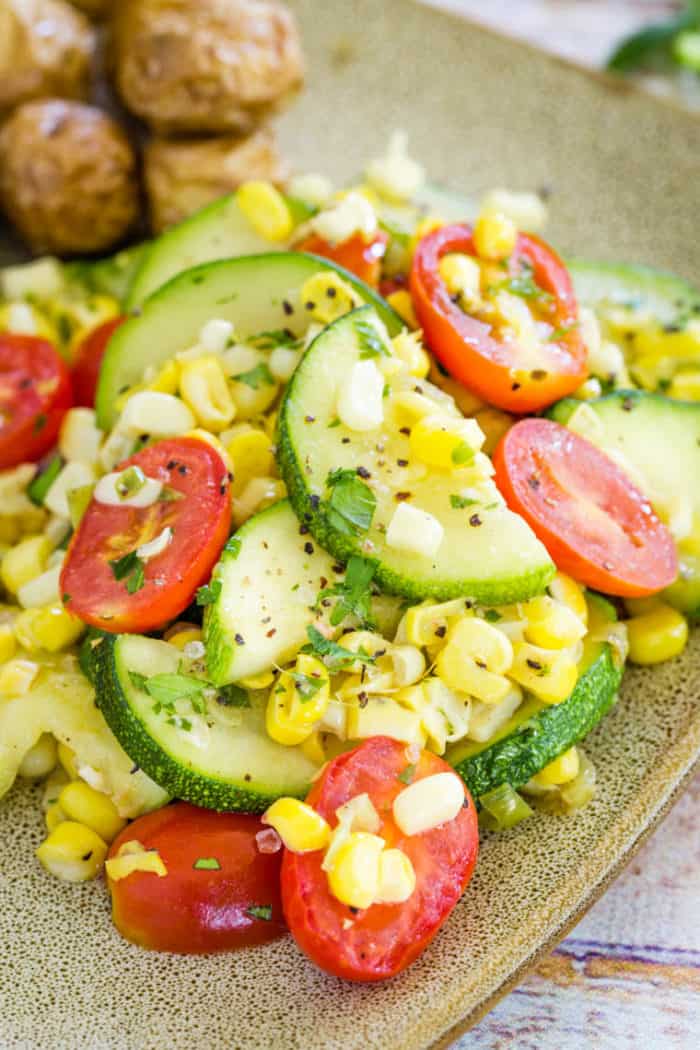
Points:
x=35, y=394
x=220, y=892
x=596, y=525
x=384, y=939
x=146, y=595
x=471, y=348
x=361, y=255
x=86, y=367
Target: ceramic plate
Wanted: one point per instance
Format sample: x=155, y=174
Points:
x=622, y=169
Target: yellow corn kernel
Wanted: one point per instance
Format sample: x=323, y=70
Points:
x=384, y=717
x=54, y=816
x=567, y=591
x=550, y=674
x=183, y=634
x=475, y=659
x=354, y=877
x=8, y=644
x=82, y=803
x=24, y=562
x=423, y=228
x=313, y=748
x=560, y=771
x=641, y=606
x=165, y=381
x=326, y=297
x=401, y=302
x=408, y=664
x=53, y=785
x=10, y=529
x=685, y=386
x=215, y=442
x=41, y=759
x=657, y=636
x=427, y=623
x=204, y=389
x=17, y=677
x=495, y=235
x=300, y=827
x=72, y=852
x=252, y=456
x=397, y=879
x=49, y=627
x=265, y=209
x=297, y=701
x=550, y=624
x=408, y=347
x=67, y=758
x=258, y=494
x=258, y=681
x=462, y=276
x=444, y=442
x=133, y=856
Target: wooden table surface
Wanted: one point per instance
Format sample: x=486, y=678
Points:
x=628, y=976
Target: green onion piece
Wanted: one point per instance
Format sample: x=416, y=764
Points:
x=78, y=501
x=43, y=482
x=502, y=808
x=130, y=482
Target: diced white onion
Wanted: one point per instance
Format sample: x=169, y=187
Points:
x=42, y=590
x=107, y=491
x=353, y=214
x=415, y=531
x=360, y=400
x=73, y=476
x=155, y=546
x=215, y=335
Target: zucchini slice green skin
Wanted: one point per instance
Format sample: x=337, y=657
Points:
x=497, y=563
x=259, y=778
x=541, y=732
x=670, y=299
x=249, y=291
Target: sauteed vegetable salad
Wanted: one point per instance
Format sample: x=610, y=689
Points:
x=329, y=520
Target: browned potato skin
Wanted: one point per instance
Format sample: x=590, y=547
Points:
x=205, y=65
x=67, y=177
x=46, y=48
x=95, y=8
x=184, y=175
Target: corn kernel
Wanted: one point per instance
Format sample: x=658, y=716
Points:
x=258, y=494
x=41, y=759
x=54, y=816
x=685, y=386
x=265, y=209
x=8, y=645
x=550, y=674
x=495, y=235
x=72, y=852
x=427, y=803
x=95, y=810
x=397, y=879
x=426, y=225
x=560, y=771
x=383, y=717
x=641, y=606
x=300, y=827
x=408, y=347
x=79, y=437
x=184, y=635
x=472, y=641
x=354, y=877
x=17, y=677
x=657, y=636
x=313, y=749
x=567, y=591
x=444, y=442
x=49, y=627
x=210, y=439
x=401, y=302
x=67, y=758
x=156, y=414
x=252, y=456
x=203, y=387
x=408, y=664
x=133, y=856
x=326, y=297
x=361, y=397
x=258, y=681
x=427, y=623
x=24, y=562
x=550, y=624
x=297, y=701
x=486, y=720
x=462, y=276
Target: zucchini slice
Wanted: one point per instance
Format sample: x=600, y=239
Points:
x=254, y=292
x=658, y=439
x=225, y=760
x=537, y=733
x=270, y=576
x=487, y=553
x=601, y=285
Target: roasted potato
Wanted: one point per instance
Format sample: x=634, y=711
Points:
x=184, y=175
x=205, y=65
x=67, y=177
x=46, y=47
x=95, y=8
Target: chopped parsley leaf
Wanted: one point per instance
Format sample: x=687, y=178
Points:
x=406, y=775
x=233, y=696
x=256, y=377
x=138, y=680
x=460, y=502
x=232, y=548
x=371, y=343
x=352, y=503
x=39, y=423
x=167, y=688
x=492, y=616
x=206, y=864
x=130, y=569
x=353, y=593
x=260, y=911
x=208, y=594
x=462, y=453
x=306, y=685
x=334, y=656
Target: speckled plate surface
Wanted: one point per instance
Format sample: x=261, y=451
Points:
x=623, y=170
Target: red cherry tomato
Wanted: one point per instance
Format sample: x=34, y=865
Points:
x=220, y=892
x=86, y=367
x=35, y=394
x=471, y=347
x=389, y=285
x=384, y=939
x=147, y=595
x=596, y=525
x=358, y=254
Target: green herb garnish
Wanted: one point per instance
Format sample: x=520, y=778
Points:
x=334, y=656
x=371, y=343
x=206, y=864
x=138, y=680
x=232, y=548
x=306, y=685
x=39, y=423
x=460, y=502
x=260, y=911
x=233, y=696
x=491, y=616
x=167, y=688
x=523, y=284
x=129, y=482
x=208, y=594
x=256, y=377
x=353, y=593
x=130, y=569
x=462, y=453
x=42, y=483
x=406, y=775
x=351, y=505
